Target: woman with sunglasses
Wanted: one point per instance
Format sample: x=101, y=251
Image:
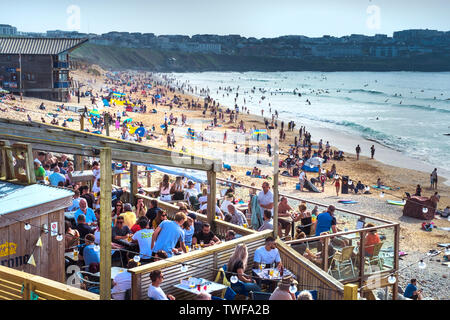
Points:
x=118, y=209
x=160, y=216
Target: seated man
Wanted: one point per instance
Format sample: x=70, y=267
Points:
x=122, y=282
x=268, y=221
x=284, y=216
x=267, y=255
x=154, y=290
x=89, y=255
x=237, y=217
x=206, y=236
x=82, y=227
x=230, y=235
x=86, y=211
x=120, y=233
x=411, y=291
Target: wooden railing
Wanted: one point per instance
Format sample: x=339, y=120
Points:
x=310, y=276
x=12, y=281
x=201, y=263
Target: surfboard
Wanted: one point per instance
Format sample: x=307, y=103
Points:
x=396, y=202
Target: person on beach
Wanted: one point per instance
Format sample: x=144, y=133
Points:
x=372, y=151
x=418, y=191
x=337, y=183
x=434, y=179
x=301, y=179
x=411, y=291
x=358, y=151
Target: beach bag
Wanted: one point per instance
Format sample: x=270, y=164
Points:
x=256, y=219
x=248, y=173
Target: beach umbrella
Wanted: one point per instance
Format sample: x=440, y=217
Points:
x=316, y=161
x=158, y=96
x=128, y=120
x=141, y=131
x=95, y=112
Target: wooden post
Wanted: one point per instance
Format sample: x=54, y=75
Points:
x=134, y=182
x=78, y=162
x=105, y=223
x=211, y=198
x=325, y=254
x=396, y=260
x=149, y=179
x=350, y=292
x=82, y=123
x=9, y=162
x=106, y=120
x=362, y=262
x=275, y=186
x=29, y=162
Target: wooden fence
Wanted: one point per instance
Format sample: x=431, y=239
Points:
x=18, y=285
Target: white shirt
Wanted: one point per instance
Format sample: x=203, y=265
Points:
x=301, y=177
x=265, y=199
x=97, y=237
x=205, y=206
x=267, y=257
x=156, y=293
x=144, y=238
x=123, y=283
x=267, y=225
x=190, y=192
x=203, y=199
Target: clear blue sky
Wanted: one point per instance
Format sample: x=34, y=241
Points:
x=249, y=18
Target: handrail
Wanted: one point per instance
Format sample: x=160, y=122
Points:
x=340, y=233
x=43, y=286
x=198, y=253
x=310, y=201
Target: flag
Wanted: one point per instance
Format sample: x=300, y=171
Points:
x=39, y=242
x=31, y=261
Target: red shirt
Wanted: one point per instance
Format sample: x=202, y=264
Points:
x=135, y=228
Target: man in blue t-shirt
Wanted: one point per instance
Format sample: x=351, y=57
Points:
x=84, y=209
x=168, y=233
x=411, y=291
x=56, y=177
x=326, y=221
x=89, y=254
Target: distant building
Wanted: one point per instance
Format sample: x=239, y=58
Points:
x=7, y=30
x=37, y=67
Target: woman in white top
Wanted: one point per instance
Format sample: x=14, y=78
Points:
x=154, y=290
x=164, y=189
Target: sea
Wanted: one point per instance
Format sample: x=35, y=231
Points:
x=405, y=112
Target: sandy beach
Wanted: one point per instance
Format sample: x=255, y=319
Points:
x=401, y=172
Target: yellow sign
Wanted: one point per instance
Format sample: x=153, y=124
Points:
x=8, y=248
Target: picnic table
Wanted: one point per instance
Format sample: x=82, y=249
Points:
x=271, y=273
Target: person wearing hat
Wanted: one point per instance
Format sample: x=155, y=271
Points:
x=282, y=291
x=39, y=171
x=190, y=191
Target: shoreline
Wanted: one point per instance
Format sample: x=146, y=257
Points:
x=345, y=141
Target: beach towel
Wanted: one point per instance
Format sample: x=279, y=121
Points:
x=227, y=167
x=256, y=219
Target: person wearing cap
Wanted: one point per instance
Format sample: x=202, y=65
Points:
x=190, y=191
x=39, y=171
x=282, y=291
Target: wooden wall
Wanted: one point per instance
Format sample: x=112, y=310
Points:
x=49, y=258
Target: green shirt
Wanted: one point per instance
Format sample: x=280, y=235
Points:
x=40, y=172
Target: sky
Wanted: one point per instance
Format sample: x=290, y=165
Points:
x=249, y=18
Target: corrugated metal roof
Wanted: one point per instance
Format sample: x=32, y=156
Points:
x=15, y=197
x=14, y=45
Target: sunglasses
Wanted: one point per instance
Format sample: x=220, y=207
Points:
x=164, y=215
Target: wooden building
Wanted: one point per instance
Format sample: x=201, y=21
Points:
x=42, y=208
x=37, y=67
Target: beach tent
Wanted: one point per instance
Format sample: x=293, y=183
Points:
x=128, y=120
x=105, y=103
x=414, y=208
x=194, y=175
x=157, y=96
x=118, y=94
x=316, y=161
x=310, y=169
x=141, y=131
x=149, y=86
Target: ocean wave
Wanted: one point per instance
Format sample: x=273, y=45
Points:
x=367, y=91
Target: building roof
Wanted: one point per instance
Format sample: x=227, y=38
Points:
x=14, y=197
x=53, y=46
